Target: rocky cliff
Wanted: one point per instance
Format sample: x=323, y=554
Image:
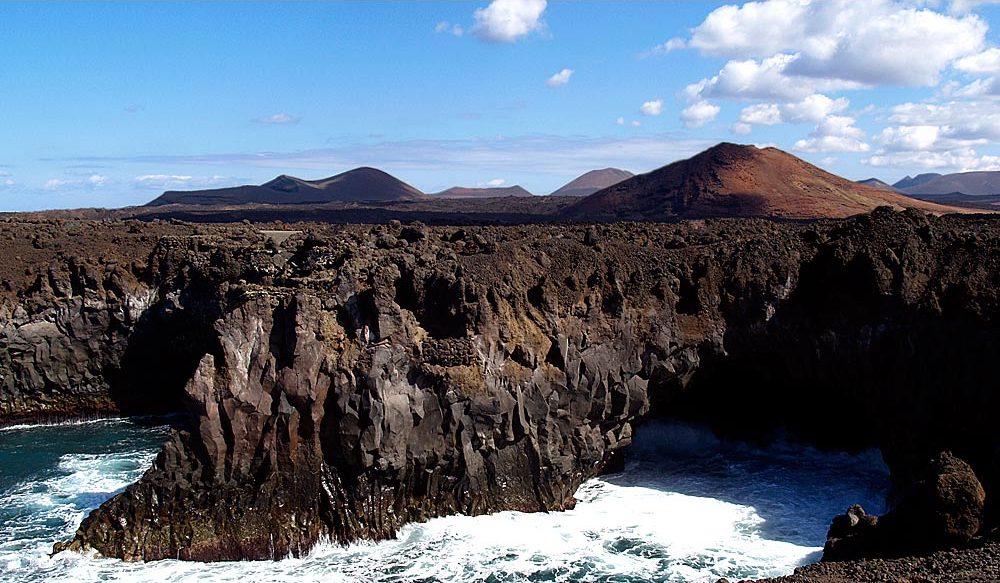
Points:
x=341, y=382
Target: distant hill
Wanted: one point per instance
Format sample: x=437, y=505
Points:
x=462, y=192
x=977, y=201
x=360, y=184
x=972, y=183
x=590, y=182
x=909, y=181
x=731, y=180
x=876, y=183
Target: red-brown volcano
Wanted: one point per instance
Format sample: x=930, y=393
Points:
x=732, y=180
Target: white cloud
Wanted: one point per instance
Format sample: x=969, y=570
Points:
x=635, y=123
x=495, y=183
x=559, y=79
x=278, y=119
x=54, y=184
x=97, y=180
x=836, y=133
x=509, y=20
x=987, y=61
x=457, y=30
x=968, y=121
x=961, y=160
x=620, y=121
x=698, y=114
x=741, y=128
x=764, y=79
x=667, y=47
x=766, y=114
x=915, y=138
x=652, y=108
x=812, y=109
x=442, y=26
x=878, y=42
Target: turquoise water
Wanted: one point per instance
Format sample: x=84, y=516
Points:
x=689, y=507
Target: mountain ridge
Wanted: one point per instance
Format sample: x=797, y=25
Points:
x=362, y=184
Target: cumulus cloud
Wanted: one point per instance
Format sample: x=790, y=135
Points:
x=836, y=133
x=635, y=123
x=880, y=42
x=762, y=79
x=766, y=114
x=971, y=121
x=278, y=119
x=97, y=180
x=509, y=20
x=494, y=183
x=620, y=121
x=652, y=108
x=559, y=79
x=987, y=61
x=939, y=136
x=698, y=114
x=812, y=109
x=961, y=160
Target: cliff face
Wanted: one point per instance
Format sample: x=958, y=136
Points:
x=346, y=381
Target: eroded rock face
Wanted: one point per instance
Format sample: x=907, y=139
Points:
x=344, y=382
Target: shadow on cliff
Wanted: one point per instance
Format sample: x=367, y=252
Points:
x=162, y=355
x=867, y=352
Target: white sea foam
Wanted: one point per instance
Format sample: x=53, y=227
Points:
x=630, y=527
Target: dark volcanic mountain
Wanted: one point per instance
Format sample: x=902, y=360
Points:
x=876, y=183
x=917, y=180
x=971, y=183
x=360, y=184
x=500, y=192
x=731, y=180
x=592, y=181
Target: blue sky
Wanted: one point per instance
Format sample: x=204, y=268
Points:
x=110, y=104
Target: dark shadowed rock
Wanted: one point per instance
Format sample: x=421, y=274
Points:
x=944, y=506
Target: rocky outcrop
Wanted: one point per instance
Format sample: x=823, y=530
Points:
x=943, y=507
x=344, y=381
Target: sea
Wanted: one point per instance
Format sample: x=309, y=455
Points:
x=688, y=507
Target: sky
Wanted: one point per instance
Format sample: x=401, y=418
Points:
x=111, y=104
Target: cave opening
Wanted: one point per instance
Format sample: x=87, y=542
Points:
x=163, y=352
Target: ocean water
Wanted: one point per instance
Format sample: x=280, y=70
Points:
x=688, y=507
